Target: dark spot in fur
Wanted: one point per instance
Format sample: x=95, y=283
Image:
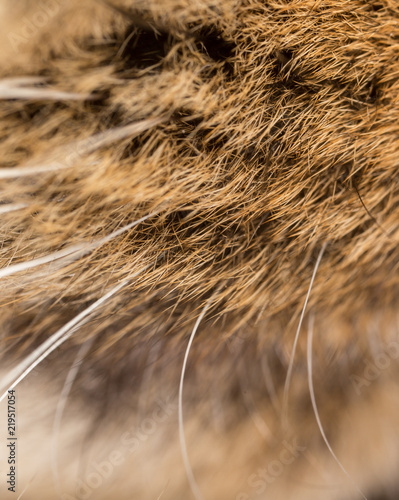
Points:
x=100, y=105
x=140, y=46
x=376, y=7
x=184, y=118
x=99, y=102
x=373, y=91
x=132, y=148
x=285, y=76
x=143, y=49
x=208, y=140
x=385, y=496
x=284, y=57
x=37, y=113
x=211, y=41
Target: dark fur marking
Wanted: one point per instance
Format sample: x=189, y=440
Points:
x=211, y=41
x=145, y=48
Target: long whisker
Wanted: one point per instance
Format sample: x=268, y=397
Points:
x=24, y=266
x=314, y=405
x=70, y=379
x=11, y=207
x=291, y=362
x=71, y=153
x=22, y=88
x=71, y=253
x=11, y=380
x=183, y=446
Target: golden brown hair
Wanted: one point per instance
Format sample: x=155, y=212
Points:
x=199, y=246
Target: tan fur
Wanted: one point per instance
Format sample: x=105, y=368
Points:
x=263, y=132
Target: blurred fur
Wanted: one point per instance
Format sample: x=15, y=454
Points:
x=244, y=136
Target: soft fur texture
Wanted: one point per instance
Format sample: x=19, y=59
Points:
x=208, y=158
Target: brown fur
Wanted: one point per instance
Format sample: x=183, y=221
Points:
x=259, y=133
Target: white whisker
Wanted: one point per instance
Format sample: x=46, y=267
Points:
x=71, y=376
x=67, y=156
x=183, y=446
x=11, y=380
x=21, y=88
x=316, y=412
x=11, y=207
x=24, y=266
x=291, y=361
x=163, y=491
x=71, y=253
x=20, y=81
